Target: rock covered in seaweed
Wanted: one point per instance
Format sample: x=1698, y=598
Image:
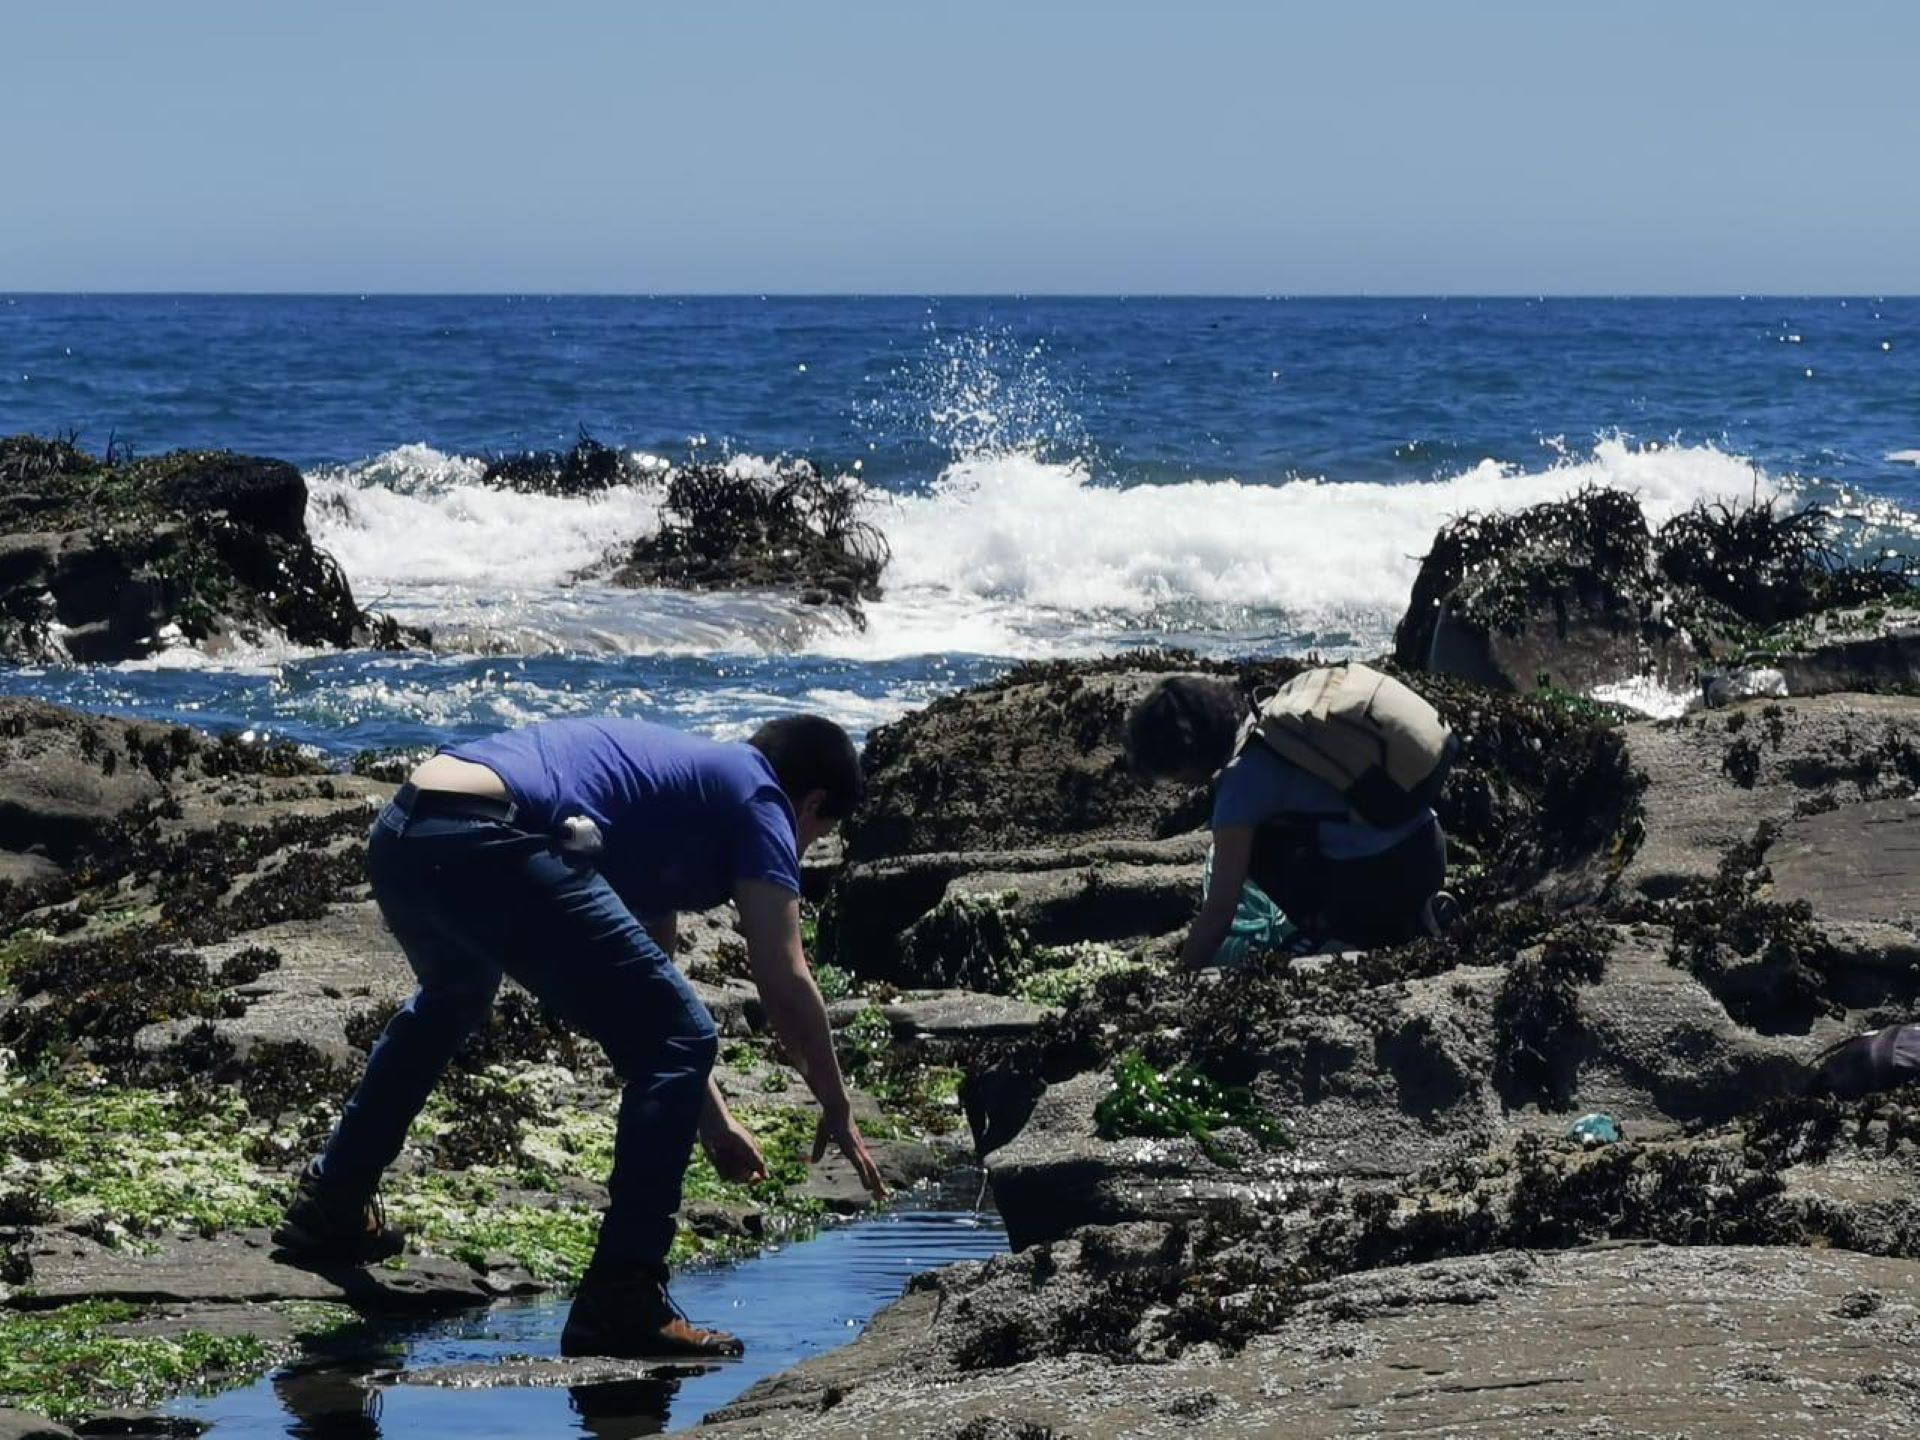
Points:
x=741, y=526
x=1580, y=594
x=1668, y=921
x=1116, y=1333
x=1033, y=758
x=107, y=560
x=586, y=468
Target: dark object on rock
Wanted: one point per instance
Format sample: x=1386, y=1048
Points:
x=103, y=561
x=585, y=469
x=290, y=1077
x=268, y=495
x=137, y=1424
x=728, y=527
x=96, y=994
x=487, y=1125
x=1866, y=1064
x=1536, y=1025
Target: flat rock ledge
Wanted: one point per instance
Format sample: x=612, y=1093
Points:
x=20, y=1425
x=242, y=1267
x=1625, y=1340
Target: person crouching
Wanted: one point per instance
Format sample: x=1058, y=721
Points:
x=1340, y=878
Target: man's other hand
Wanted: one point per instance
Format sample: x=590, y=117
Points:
x=840, y=1130
x=735, y=1154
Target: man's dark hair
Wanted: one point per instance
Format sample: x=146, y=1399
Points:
x=1184, y=720
x=809, y=753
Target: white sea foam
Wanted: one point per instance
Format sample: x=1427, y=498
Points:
x=1904, y=457
x=236, y=657
x=1013, y=545
x=415, y=517
x=1648, y=696
x=1005, y=555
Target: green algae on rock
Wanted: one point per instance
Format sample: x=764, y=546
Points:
x=68, y=1362
x=1181, y=1102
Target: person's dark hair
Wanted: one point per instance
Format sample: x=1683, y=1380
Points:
x=808, y=753
x=1184, y=720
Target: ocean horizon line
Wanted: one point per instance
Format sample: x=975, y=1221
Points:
x=1517, y=296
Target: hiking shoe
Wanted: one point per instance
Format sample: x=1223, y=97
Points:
x=1439, y=915
x=332, y=1225
x=1865, y=1064
x=626, y=1313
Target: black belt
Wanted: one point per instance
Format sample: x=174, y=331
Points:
x=411, y=801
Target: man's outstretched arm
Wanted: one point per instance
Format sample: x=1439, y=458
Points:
x=770, y=919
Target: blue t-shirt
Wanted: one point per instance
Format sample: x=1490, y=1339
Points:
x=1258, y=786
x=683, y=818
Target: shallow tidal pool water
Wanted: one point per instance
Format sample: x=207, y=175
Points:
x=788, y=1303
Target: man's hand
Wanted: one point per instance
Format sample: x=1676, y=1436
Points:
x=734, y=1152
x=840, y=1129
x=770, y=919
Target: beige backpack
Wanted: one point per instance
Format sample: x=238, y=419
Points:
x=1386, y=750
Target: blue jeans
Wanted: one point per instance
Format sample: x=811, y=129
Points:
x=470, y=899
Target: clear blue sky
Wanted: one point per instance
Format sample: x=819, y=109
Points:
x=976, y=145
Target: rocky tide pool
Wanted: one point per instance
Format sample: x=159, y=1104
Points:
x=498, y=1372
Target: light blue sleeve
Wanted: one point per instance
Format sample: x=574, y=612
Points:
x=1258, y=785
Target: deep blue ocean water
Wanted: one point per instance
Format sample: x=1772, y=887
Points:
x=1056, y=476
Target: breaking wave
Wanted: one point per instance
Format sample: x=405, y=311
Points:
x=1004, y=554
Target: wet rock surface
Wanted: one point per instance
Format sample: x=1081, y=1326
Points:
x=22, y=1425
x=529, y=1373
x=242, y=1267
x=111, y=559
x=1734, y=1341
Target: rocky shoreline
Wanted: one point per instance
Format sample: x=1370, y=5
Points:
x=1667, y=921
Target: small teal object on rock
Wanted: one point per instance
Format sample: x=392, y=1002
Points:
x=1595, y=1130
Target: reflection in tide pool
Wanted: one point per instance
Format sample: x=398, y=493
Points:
x=787, y=1304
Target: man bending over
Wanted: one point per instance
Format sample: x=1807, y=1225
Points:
x=538, y=853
